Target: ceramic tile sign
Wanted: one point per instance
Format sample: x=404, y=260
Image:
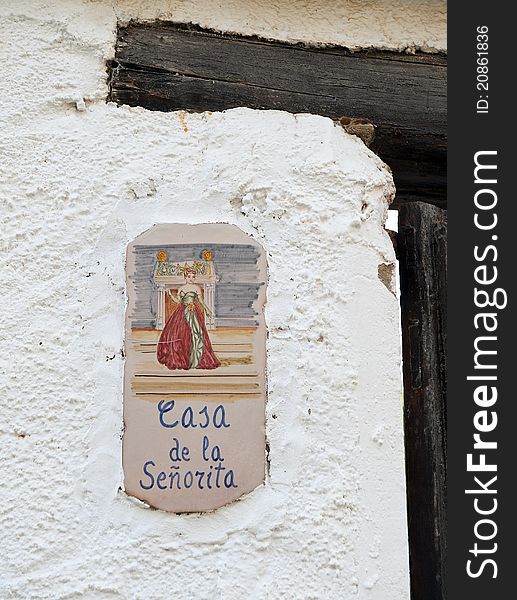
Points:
x=194, y=381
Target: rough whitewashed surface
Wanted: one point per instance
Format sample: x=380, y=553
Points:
x=79, y=180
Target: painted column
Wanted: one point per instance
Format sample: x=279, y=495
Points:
x=160, y=307
x=210, y=302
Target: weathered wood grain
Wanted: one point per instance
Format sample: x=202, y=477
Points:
x=422, y=252
x=162, y=66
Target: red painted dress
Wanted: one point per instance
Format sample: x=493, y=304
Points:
x=184, y=342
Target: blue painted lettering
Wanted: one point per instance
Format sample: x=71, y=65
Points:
x=150, y=475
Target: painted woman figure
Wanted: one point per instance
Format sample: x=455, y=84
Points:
x=184, y=342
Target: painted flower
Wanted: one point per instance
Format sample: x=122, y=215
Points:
x=161, y=256
x=207, y=255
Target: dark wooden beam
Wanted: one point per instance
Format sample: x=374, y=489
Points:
x=164, y=66
x=422, y=253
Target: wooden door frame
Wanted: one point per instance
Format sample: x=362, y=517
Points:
x=166, y=66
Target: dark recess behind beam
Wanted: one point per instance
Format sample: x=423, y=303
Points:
x=165, y=66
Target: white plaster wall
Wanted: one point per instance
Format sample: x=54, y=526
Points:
x=79, y=179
